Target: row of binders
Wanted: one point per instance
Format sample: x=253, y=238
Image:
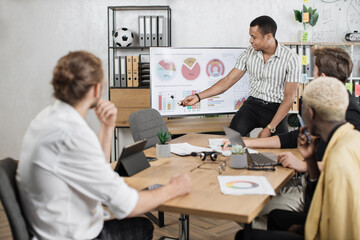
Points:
x=307, y=63
x=306, y=59
x=152, y=31
x=132, y=71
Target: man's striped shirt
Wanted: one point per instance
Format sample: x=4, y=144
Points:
x=267, y=80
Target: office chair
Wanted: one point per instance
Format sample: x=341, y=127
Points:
x=10, y=200
x=145, y=124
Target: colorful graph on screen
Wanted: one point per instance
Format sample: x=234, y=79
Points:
x=166, y=70
x=190, y=69
x=165, y=101
x=215, y=68
x=195, y=107
x=238, y=103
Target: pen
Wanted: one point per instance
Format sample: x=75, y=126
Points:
x=178, y=102
x=229, y=145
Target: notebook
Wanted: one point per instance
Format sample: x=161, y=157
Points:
x=257, y=159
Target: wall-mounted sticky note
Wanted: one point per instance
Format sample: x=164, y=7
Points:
x=305, y=37
x=305, y=17
x=304, y=60
x=349, y=86
x=306, y=1
x=304, y=78
x=357, y=89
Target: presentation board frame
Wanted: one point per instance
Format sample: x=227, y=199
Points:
x=174, y=72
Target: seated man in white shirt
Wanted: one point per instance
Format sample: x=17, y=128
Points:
x=64, y=176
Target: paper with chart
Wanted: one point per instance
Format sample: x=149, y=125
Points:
x=180, y=72
x=245, y=185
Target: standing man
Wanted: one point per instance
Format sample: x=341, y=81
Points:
x=63, y=176
x=274, y=75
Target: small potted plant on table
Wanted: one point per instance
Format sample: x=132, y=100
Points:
x=163, y=148
x=238, y=157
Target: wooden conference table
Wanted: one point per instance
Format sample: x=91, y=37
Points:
x=206, y=198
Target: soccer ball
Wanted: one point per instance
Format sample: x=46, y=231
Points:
x=123, y=37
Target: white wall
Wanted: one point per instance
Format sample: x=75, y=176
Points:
x=35, y=34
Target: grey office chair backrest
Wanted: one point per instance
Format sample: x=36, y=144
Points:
x=145, y=124
x=10, y=201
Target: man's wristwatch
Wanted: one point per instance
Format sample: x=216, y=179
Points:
x=272, y=129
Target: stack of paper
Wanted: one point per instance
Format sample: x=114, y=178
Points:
x=215, y=144
x=245, y=185
x=184, y=149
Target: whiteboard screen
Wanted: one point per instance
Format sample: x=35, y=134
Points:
x=180, y=72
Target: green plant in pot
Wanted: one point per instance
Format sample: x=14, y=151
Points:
x=293, y=120
x=313, y=18
x=163, y=148
x=238, y=157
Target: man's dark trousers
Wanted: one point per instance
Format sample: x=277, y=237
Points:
x=256, y=113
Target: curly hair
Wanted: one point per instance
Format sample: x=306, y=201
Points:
x=75, y=74
x=328, y=97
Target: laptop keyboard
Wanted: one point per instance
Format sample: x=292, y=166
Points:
x=261, y=160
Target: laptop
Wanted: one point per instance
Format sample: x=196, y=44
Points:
x=257, y=159
x=132, y=160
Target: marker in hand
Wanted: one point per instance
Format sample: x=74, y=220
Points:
x=178, y=102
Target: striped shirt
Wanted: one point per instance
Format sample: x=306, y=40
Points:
x=267, y=80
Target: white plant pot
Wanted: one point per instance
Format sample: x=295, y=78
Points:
x=163, y=150
x=238, y=161
x=303, y=34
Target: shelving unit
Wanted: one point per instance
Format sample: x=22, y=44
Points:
x=349, y=47
x=130, y=99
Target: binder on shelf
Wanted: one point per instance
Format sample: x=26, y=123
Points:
x=117, y=72
x=307, y=67
x=349, y=87
x=141, y=31
x=129, y=71
x=154, y=31
x=357, y=89
x=147, y=31
x=161, y=40
x=135, y=67
x=144, y=58
x=123, y=72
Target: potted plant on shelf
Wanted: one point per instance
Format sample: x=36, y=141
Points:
x=293, y=121
x=238, y=157
x=163, y=148
x=307, y=16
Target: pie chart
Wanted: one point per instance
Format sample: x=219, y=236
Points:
x=166, y=70
x=190, y=69
x=215, y=68
x=242, y=184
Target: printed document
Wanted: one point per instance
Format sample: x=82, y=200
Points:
x=184, y=149
x=245, y=185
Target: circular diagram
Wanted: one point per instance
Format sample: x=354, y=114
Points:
x=215, y=68
x=190, y=69
x=166, y=70
x=242, y=184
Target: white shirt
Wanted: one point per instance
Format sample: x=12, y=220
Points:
x=267, y=80
x=63, y=177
